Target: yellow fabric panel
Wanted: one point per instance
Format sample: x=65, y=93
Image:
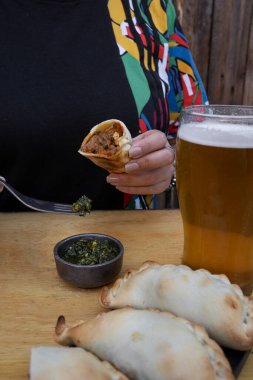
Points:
x=159, y=16
x=185, y=68
x=153, y=64
x=116, y=11
x=173, y=43
x=118, y=16
x=174, y=116
x=145, y=58
x=125, y=42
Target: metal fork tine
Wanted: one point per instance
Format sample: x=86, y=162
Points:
x=63, y=208
x=38, y=204
x=64, y=211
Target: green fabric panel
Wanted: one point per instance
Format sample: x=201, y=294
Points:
x=171, y=13
x=137, y=81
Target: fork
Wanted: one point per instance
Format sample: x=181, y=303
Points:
x=37, y=204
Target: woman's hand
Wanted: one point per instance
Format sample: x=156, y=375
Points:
x=150, y=169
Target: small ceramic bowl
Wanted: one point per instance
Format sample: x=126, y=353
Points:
x=88, y=276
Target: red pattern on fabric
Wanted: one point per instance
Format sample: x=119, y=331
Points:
x=129, y=33
x=127, y=199
x=142, y=125
x=179, y=40
x=195, y=98
x=143, y=39
x=161, y=52
x=173, y=127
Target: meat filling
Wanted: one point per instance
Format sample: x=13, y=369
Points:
x=104, y=142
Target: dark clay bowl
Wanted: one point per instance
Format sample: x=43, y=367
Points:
x=88, y=276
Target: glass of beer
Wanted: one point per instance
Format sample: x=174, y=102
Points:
x=214, y=170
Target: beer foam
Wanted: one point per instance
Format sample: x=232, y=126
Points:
x=215, y=134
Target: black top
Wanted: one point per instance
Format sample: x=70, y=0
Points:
x=62, y=72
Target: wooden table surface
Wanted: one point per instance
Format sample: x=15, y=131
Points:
x=33, y=295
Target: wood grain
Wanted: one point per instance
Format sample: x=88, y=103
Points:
x=195, y=18
x=229, y=48
x=220, y=35
x=248, y=84
x=33, y=295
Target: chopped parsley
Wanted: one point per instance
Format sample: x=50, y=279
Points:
x=82, y=206
x=90, y=251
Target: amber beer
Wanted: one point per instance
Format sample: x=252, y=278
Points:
x=215, y=189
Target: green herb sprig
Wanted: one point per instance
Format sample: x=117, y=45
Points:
x=82, y=206
x=90, y=252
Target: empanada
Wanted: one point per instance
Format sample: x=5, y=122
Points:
x=65, y=363
x=107, y=145
x=149, y=345
x=204, y=298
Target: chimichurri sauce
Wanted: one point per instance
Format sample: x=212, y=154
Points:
x=90, y=252
x=82, y=206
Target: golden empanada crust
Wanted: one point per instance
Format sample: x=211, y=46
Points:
x=149, y=345
x=113, y=161
x=204, y=298
x=65, y=363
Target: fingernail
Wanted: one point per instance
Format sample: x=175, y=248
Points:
x=112, y=179
x=131, y=167
x=135, y=152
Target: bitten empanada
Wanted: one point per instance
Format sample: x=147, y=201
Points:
x=204, y=298
x=107, y=145
x=65, y=363
x=149, y=345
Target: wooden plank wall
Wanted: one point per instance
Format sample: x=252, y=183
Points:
x=220, y=34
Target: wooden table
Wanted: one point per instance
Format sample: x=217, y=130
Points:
x=33, y=295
